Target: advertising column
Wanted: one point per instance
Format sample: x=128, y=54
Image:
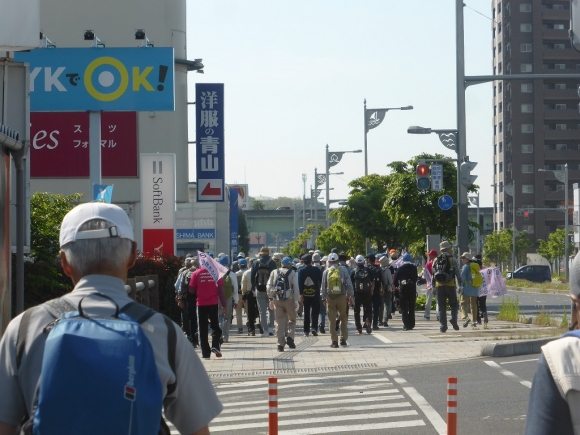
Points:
x=233, y=223
x=158, y=203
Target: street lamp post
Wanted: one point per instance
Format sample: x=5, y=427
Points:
x=511, y=191
x=475, y=201
x=332, y=158
x=562, y=176
x=304, y=200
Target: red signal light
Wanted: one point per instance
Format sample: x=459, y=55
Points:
x=423, y=170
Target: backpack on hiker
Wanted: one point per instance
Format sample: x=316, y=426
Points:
x=362, y=280
x=179, y=281
x=92, y=389
x=239, y=275
x=476, y=278
x=228, y=285
x=282, y=284
x=185, y=281
x=262, y=276
x=309, y=288
x=334, y=281
x=443, y=269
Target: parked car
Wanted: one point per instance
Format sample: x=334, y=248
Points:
x=533, y=272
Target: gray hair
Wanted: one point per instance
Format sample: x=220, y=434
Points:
x=91, y=256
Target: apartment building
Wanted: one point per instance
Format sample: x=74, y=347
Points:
x=536, y=122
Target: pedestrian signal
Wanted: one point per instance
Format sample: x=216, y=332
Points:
x=423, y=179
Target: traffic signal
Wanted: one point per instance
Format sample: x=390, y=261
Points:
x=423, y=179
x=465, y=173
x=526, y=215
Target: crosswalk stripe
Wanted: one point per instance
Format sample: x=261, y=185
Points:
x=316, y=420
x=376, y=396
x=286, y=380
x=361, y=387
x=318, y=403
x=316, y=411
x=359, y=428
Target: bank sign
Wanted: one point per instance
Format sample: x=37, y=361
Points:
x=100, y=79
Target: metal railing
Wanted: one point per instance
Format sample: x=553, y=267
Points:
x=145, y=290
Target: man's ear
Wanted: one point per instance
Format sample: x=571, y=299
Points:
x=66, y=268
x=133, y=256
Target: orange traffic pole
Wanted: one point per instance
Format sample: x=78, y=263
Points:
x=272, y=406
x=452, y=406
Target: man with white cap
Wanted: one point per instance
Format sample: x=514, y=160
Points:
x=235, y=264
x=364, y=285
x=261, y=270
x=97, y=249
x=283, y=290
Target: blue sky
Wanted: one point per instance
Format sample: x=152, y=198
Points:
x=296, y=75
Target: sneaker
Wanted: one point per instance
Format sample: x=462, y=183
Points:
x=322, y=331
x=443, y=329
x=314, y=333
x=252, y=333
x=225, y=340
x=375, y=328
x=358, y=332
x=368, y=327
x=260, y=328
x=271, y=334
x=390, y=316
x=334, y=345
x=240, y=330
x=343, y=342
x=265, y=334
x=216, y=352
x=381, y=323
x=454, y=324
x=386, y=324
x=290, y=342
x=427, y=317
x=280, y=348
x=474, y=325
x=205, y=357
x=307, y=334
x=466, y=323
x=405, y=328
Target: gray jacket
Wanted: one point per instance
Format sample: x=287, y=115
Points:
x=346, y=283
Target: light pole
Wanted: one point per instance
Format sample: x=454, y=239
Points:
x=303, y=200
x=562, y=176
x=373, y=118
x=511, y=191
x=475, y=201
x=332, y=158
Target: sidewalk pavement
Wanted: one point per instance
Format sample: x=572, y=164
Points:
x=387, y=348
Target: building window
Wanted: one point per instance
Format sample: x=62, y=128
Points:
x=501, y=86
x=527, y=128
x=527, y=108
x=526, y=48
x=560, y=126
x=560, y=86
x=526, y=28
x=558, y=7
x=500, y=107
x=499, y=68
x=501, y=207
x=528, y=229
x=526, y=67
x=527, y=169
x=527, y=188
x=500, y=167
x=556, y=27
x=560, y=107
x=560, y=66
x=527, y=149
x=499, y=47
x=500, y=147
x=559, y=46
x=525, y=7
x=561, y=147
x=527, y=87
x=500, y=127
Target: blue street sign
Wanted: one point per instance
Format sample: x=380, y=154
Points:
x=445, y=202
x=100, y=79
x=208, y=233
x=209, y=137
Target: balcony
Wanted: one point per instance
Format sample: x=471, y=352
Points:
x=561, y=54
x=553, y=34
x=561, y=134
x=557, y=156
x=566, y=114
x=560, y=94
x=556, y=15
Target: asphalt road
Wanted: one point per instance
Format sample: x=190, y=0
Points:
x=492, y=399
x=531, y=304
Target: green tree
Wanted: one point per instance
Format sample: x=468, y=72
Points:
x=46, y=213
x=523, y=244
x=341, y=236
x=498, y=246
x=258, y=205
x=243, y=233
x=553, y=248
x=296, y=246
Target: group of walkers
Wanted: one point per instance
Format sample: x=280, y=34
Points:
x=277, y=289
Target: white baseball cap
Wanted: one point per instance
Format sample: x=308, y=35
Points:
x=333, y=257
x=115, y=215
x=360, y=259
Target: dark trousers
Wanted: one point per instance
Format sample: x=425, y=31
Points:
x=443, y=294
x=481, y=306
x=408, y=298
x=364, y=300
x=252, y=311
x=208, y=312
x=191, y=308
x=311, y=306
x=377, y=302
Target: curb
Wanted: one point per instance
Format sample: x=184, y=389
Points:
x=538, y=290
x=514, y=349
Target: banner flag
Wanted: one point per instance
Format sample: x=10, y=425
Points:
x=334, y=159
x=374, y=117
x=215, y=269
x=493, y=283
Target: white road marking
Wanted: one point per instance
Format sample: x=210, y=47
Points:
x=521, y=361
x=353, y=428
x=382, y=338
x=435, y=419
x=509, y=374
x=237, y=385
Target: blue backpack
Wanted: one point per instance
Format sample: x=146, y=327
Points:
x=99, y=374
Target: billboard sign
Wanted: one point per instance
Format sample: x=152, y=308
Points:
x=59, y=145
x=436, y=178
x=243, y=198
x=208, y=233
x=158, y=203
x=100, y=79
x=210, y=159
x=234, y=213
